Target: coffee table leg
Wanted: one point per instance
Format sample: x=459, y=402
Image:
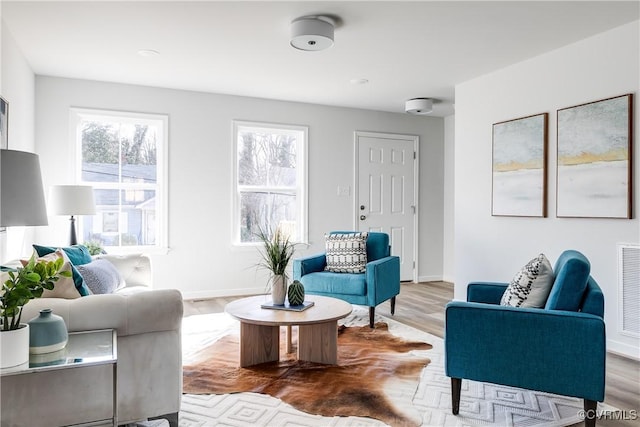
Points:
x=318, y=343
x=258, y=344
x=289, y=341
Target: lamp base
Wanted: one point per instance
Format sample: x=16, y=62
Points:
x=72, y=234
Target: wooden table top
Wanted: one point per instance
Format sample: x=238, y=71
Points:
x=325, y=309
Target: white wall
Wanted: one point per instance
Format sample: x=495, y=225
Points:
x=17, y=87
x=201, y=261
x=494, y=248
x=448, y=247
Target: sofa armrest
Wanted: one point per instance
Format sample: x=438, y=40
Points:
x=512, y=346
x=486, y=292
x=383, y=279
x=134, y=268
x=307, y=265
x=152, y=311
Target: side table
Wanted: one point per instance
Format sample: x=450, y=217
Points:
x=75, y=386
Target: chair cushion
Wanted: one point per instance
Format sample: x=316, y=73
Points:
x=346, y=252
x=326, y=282
x=531, y=285
x=572, y=271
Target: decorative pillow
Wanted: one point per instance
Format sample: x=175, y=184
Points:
x=101, y=276
x=530, y=287
x=65, y=287
x=346, y=253
x=77, y=255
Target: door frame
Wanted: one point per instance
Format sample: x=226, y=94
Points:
x=416, y=181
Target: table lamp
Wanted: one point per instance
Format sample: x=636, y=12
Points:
x=71, y=200
x=21, y=192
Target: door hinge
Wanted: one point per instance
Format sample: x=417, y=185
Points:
x=414, y=155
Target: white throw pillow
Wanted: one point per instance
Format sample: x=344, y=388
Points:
x=65, y=287
x=530, y=287
x=346, y=253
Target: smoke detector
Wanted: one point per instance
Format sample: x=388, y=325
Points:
x=419, y=106
x=312, y=33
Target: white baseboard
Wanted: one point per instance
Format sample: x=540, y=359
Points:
x=216, y=293
x=623, y=349
x=429, y=278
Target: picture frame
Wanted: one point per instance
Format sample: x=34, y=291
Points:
x=4, y=130
x=519, y=167
x=594, y=159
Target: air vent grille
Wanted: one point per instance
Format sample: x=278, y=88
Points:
x=629, y=289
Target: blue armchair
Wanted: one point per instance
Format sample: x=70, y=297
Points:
x=556, y=349
x=380, y=282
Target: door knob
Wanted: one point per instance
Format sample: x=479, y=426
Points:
x=362, y=217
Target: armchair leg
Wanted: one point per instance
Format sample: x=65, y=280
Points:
x=590, y=412
x=172, y=418
x=372, y=314
x=456, y=387
x=393, y=305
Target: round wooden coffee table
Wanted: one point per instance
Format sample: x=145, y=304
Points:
x=260, y=329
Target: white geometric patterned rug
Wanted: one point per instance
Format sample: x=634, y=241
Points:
x=481, y=404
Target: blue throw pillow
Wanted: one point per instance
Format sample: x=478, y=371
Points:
x=77, y=255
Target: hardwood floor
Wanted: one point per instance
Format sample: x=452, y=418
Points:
x=421, y=305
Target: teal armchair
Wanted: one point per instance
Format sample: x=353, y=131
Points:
x=557, y=349
x=380, y=282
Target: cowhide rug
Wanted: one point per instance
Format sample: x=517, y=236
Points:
x=370, y=360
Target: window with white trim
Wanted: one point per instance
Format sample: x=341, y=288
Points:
x=270, y=180
x=122, y=156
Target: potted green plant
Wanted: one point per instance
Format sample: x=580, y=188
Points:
x=277, y=251
x=23, y=285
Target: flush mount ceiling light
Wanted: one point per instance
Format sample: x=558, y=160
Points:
x=312, y=33
x=419, y=106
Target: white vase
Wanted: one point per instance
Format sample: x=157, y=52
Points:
x=278, y=290
x=14, y=347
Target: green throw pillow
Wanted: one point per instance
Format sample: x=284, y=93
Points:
x=78, y=255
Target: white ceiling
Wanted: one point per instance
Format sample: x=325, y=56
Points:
x=405, y=49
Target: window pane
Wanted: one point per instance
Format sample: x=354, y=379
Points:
x=118, y=152
x=100, y=152
x=266, y=211
x=123, y=218
x=266, y=158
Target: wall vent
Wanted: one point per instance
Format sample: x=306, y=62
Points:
x=629, y=289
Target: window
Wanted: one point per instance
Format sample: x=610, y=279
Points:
x=270, y=180
x=122, y=155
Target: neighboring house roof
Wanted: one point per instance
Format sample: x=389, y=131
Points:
x=104, y=172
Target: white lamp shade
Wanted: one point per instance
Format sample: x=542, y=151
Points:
x=21, y=192
x=71, y=200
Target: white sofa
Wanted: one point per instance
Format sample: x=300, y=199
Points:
x=148, y=326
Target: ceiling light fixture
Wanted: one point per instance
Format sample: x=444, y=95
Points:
x=419, y=106
x=312, y=33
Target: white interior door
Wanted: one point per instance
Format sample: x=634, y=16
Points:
x=387, y=192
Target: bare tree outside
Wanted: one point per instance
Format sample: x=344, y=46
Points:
x=267, y=181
